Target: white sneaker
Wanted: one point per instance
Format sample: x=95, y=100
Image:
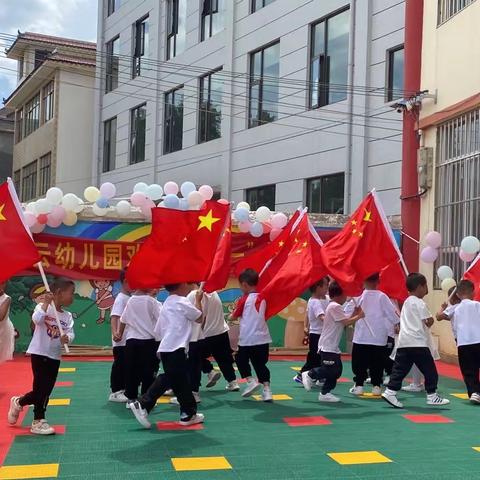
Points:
x=196, y=396
x=356, y=390
x=475, y=398
x=390, y=397
x=328, y=397
x=197, y=418
x=213, y=378
x=118, y=397
x=319, y=383
x=413, y=387
x=377, y=391
x=169, y=393
x=140, y=414
x=14, y=411
x=252, y=387
x=386, y=380
x=436, y=400
x=128, y=404
x=232, y=386
x=267, y=394
x=41, y=427
x=307, y=381
x=368, y=381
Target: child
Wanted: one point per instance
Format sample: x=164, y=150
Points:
x=175, y=327
x=254, y=339
x=139, y=319
x=316, y=307
x=333, y=325
x=117, y=375
x=467, y=321
x=370, y=337
x=7, y=332
x=448, y=310
x=45, y=350
x=413, y=345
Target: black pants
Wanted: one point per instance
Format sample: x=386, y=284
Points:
x=195, y=365
x=117, y=374
x=368, y=359
x=314, y=360
x=469, y=360
x=405, y=359
x=159, y=386
x=219, y=348
x=45, y=371
x=330, y=371
x=258, y=356
x=388, y=361
x=141, y=366
x=175, y=366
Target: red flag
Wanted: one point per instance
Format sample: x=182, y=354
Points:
x=393, y=282
x=220, y=271
x=473, y=274
x=19, y=251
x=181, y=247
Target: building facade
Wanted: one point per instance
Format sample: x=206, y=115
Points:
x=53, y=105
x=6, y=143
x=271, y=101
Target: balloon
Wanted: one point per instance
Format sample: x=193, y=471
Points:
x=140, y=187
x=256, y=230
x=195, y=199
x=154, y=192
x=53, y=222
x=54, y=195
x=467, y=257
x=138, y=199
x=206, y=191
x=244, y=227
x=42, y=206
x=470, y=245
x=91, y=194
x=102, y=203
x=70, y=201
x=123, y=208
x=30, y=219
x=146, y=209
x=263, y=214
x=183, y=204
x=42, y=219
x=447, y=284
x=70, y=219
x=274, y=234
x=433, y=239
x=58, y=213
x=244, y=205
x=224, y=201
x=444, y=272
x=241, y=215
x=37, y=228
x=279, y=221
x=187, y=188
x=31, y=208
x=80, y=205
x=429, y=255
x=171, y=201
x=108, y=190
x=98, y=211
x=267, y=227
x=171, y=188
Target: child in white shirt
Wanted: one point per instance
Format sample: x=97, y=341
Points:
x=7, y=332
x=448, y=310
x=45, y=351
x=413, y=345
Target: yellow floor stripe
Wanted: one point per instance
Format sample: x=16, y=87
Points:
x=16, y=472
x=370, y=395
x=296, y=369
x=462, y=396
x=357, y=458
x=67, y=370
x=58, y=402
x=163, y=400
x=476, y=449
x=277, y=398
x=200, y=463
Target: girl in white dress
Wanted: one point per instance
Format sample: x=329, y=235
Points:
x=7, y=332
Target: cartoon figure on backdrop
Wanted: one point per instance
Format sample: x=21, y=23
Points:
x=104, y=298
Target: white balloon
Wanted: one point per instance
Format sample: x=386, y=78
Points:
x=444, y=272
x=70, y=201
x=31, y=207
x=195, y=199
x=243, y=205
x=470, y=245
x=42, y=206
x=30, y=219
x=140, y=187
x=108, y=190
x=279, y=221
x=37, y=228
x=262, y=214
x=447, y=284
x=123, y=208
x=99, y=212
x=54, y=196
x=154, y=192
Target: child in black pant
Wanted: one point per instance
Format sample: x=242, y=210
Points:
x=45, y=350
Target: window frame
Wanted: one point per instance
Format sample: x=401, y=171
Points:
x=206, y=138
x=17, y=181
x=173, y=12
x=19, y=122
x=110, y=78
x=214, y=8
x=449, y=10
x=109, y=157
x=45, y=173
x=168, y=121
x=254, y=206
x=112, y=6
x=29, y=192
x=139, y=44
x=134, y=134
x=48, y=101
x=33, y=105
x=309, y=182
x=389, y=91
x=253, y=5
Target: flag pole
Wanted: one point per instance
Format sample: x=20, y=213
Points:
x=364, y=319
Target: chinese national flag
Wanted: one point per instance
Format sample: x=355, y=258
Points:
x=181, y=247
x=19, y=251
x=393, y=282
x=473, y=274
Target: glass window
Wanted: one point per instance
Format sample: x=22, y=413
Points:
x=112, y=6
x=17, y=175
x=326, y=194
x=29, y=181
x=258, y=4
x=20, y=68
x=212, y=18
x=32, y=115
x=109, y=144
x=40, y=57
x=19, y=125
x=138, y=125
x=111, y=67
x=176, y=27
x=141, y=35
x=48, y=101
x=263, y=92
x=448, y=8
x=261, y=196
x=329, y=60
x=173, y=124
x=45, y=173
x=395, y=63
x=210, y=109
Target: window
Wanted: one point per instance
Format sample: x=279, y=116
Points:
x=210, y=109
x=448, y=8
x=19, y=125
x=40, y=57
x=111, y=68
x=212, y=18
x=140, y=46
x=20, y=68
x=395, y=64
x=176, y=28
x=32, y=115
x=457, y=185
x=48, y=101
x=110, y=144
x=138, y=126
x=29, y=181
x=263, y=91
x=260, y=196
x=326, y=194
x=173, y=124
x=258, y=4
x=329, y=60
x=45, y=173
x=17, y=175
x=112, y=6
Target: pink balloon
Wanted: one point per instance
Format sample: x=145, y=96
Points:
x=30, y=219
x=170, y=188
x=244, y=227
x=53, y=222
x=37, y=228
x=224, y=201
x=206, y=191
x=467, y=257
x=429, y=255
x=138, y=199
x=433, y=239
x=58, y=213
x=274, y=234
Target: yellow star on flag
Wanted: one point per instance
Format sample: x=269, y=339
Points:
x=354, y=222
x=305, y=244
x=281, y=244
x=368, y=216
x=2, y=216
x=207, y=221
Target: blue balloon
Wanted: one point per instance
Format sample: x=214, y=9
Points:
x=241, y=215
x=187, y=188
x=102, y=203
x=184, y=204
x=171, y=201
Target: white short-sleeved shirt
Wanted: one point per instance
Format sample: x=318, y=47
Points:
x=215, y=323
x=450, y=313
x=118, y=308
x=140, y=317
x=467, y=322
x=253, y=326
x=413, y=331
x=380, y=316
x=197, y=331
x=332, y=329
x=315, y=309
x=175, y=323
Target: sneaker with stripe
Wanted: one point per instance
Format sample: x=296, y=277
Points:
x=436, y=400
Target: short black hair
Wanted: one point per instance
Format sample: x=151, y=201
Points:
x=320, y=283
x=335, y=290
x=465, y=287
x=123, y=275
x=172, y=287
x=375, y=278
x=415, y=280
x=249, y=276
x=61, y=283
